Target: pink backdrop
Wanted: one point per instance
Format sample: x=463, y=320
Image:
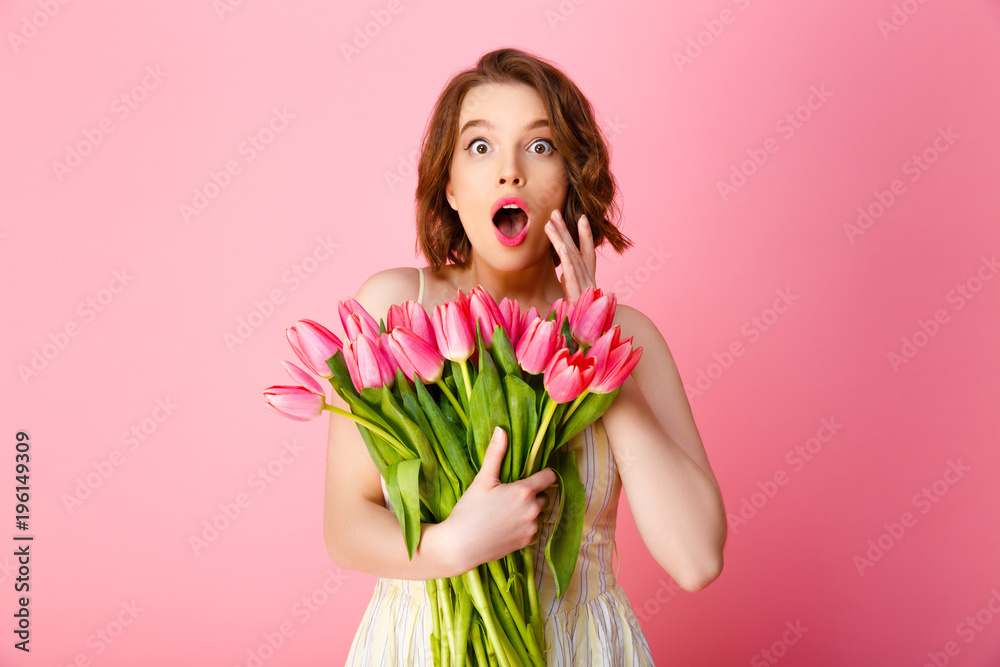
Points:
x=812, y=193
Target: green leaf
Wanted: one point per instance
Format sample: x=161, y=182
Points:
x=403, y=484
x=341, y=376
x=488, y=409
x=362, y=409
x=449, y=438
x=590, y=410
x=503, y=353
x=550, y=445
x=563, y=546
x=523, y=419
x=409, y=433
x=568, y=335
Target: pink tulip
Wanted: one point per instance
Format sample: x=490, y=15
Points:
x=367, y=364
x=356, y=319
x=567, y=376
x=303, y=378
x=537, y=345
x=455, y=339
x=483, y=309
x=561, y=308
x=383, y=345
x=313, y=344
x=415, y=355
x=592, y=315
x=613, y=361
x=526, y=318
x=510, y=311
x=412, y=316
x=298, y=403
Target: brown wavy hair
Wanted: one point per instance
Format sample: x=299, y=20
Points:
x=592, y=189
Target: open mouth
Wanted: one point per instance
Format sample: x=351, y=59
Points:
x=510, y=220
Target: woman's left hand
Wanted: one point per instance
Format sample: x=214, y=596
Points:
x=578, y=264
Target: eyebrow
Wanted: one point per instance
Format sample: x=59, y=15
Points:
x=479, y=122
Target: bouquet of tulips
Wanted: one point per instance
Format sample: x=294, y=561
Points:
x=427, y=393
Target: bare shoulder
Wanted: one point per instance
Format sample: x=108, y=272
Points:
x=386, y=287
x=643, y=330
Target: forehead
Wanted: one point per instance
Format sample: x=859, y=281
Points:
x=494, y=101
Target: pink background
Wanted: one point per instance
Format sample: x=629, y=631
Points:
x=330, y=194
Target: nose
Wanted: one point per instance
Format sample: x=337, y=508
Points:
x=510, y=171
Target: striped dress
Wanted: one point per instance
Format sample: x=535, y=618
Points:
x=591, y=624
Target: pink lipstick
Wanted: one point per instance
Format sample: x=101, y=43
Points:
x=510, y=220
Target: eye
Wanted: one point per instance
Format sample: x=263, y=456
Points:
x=475, y=141
x=546, y=141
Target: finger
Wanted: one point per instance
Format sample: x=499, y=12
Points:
x=587, y=246
x=583, y=273
x=541, y=480
x=568, y=255
x=493, y=457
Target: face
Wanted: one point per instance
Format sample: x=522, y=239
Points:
x=504, y=150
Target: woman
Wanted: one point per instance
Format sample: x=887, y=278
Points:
x=512, y=146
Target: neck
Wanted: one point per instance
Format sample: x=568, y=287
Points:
x=536, y=285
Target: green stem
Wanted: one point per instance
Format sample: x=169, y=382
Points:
x=534, y=615
x=444, y=604
x=393, y=440
x=475, y=587
x=432, y=586
x=550, y=409
x=527, y=634
x=468, y=381
x=454, y=402
x=576, y=403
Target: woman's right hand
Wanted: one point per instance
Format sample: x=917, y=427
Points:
x=492, y=519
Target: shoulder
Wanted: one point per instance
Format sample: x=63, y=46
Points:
x=388, y=287
x=645, y=334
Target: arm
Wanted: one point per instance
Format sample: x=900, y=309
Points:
x=489, y=521
x=671, y=489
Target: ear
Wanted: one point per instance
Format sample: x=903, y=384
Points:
x=450, y=194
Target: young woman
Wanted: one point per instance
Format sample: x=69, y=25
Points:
x=516, y=130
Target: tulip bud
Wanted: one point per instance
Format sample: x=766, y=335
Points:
x=591, y=315
x=454, y=336
x=296, y=403
x=568, y=375
x=510, y=311
x=367, y=364
x=415, y=355
x=313, y=344
x=483, y=309
x=356, y=319
x=561, y=308
x=538, y=343
x=412, y=316
x=613, y=361
x=303, y=378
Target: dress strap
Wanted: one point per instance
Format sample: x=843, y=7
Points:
x=420, y=289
